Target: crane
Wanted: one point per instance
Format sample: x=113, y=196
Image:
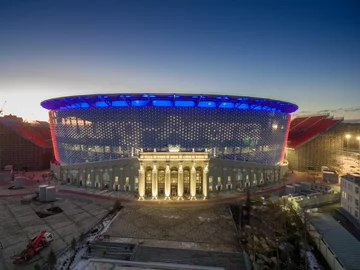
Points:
x=36, y=244
x=2, y=108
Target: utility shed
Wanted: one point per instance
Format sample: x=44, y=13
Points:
x=342, y=246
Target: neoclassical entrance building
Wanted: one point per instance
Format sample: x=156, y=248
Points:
x=173, y=174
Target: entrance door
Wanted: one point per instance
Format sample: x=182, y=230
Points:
x=161, y=182
x=174, y=182
x=148, y=183
x=186, y=182
x=198, y=181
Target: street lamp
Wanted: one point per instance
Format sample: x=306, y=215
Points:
x=358, y=138
x=347, y=137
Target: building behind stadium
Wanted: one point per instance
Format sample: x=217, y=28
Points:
x=169, y=145
x=321, y=140
x=24, y=145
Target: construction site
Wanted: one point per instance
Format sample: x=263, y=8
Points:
x=146, y=237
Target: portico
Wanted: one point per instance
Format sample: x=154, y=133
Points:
x=173, y=175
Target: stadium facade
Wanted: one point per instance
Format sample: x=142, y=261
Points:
x=169, y=145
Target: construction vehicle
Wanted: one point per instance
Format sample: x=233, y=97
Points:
x=36, y=244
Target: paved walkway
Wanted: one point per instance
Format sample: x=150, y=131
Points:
x=131, y=198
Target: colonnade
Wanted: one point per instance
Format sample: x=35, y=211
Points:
x=180, y=182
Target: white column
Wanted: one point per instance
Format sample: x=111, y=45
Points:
x=180, y=183
x=205, y=182
x=167, y=182
x=154, y=183
x=141, y=182
x=193, y=183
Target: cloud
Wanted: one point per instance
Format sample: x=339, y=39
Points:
x=352, y=109
x=323, y=111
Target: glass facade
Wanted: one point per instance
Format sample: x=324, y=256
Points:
x=100, y=133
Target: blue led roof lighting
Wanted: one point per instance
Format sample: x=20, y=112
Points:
x=101, y=104
x=119, y=103
x=162, y=103
x=169, y=100
x=227, y=105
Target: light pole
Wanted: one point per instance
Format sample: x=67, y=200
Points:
x=358, y=138
x=347, y=137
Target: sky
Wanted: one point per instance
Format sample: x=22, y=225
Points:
x=305, y=52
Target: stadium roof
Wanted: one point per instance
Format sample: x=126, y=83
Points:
x=38, y=133
x=344, y=246
x=169, y=100
x=306, y=128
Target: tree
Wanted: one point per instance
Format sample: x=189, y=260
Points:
x=37, y=267
x=248, y=200
x=73, y=244
x=52, y=259
x=82, y=237
x=117, y=205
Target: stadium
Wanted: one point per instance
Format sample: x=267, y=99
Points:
x=169, y=145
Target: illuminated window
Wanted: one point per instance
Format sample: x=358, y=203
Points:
x=127, y=180
x=247, y=177
x=229, y=178
x=116, y=179
x=219, y=180
x=88, y=176
x=255, y=176
x=136, y=180
x=210, y=179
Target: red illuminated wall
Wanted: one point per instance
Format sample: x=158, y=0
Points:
x=53, y=137
x=286, y=137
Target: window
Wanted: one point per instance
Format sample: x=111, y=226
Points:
x=356, y=202
x=210, y=179
x=255, y=176
x=247, y=177
x=239, y=177
x=229, y=178
x=219, y=180
x=357, y=190
x=127, y=180
x=116, y=179
x=356, y=214
x=136, y=180
x=88, y=177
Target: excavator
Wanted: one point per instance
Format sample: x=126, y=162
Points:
x=36, y=244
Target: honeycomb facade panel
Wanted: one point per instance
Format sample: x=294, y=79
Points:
x=102, y=131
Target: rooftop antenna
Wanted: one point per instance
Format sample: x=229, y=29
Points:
x=2, y=108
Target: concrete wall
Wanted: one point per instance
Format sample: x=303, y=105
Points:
x=320, y=200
